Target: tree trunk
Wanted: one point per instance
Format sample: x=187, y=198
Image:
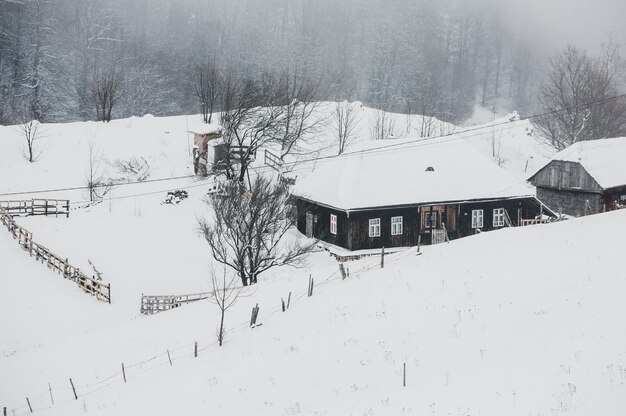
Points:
x=221, y=334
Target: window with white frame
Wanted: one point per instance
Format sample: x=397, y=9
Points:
x=375, y=227
x=333, y=224
x=477, y=218
x=396, y=225
x=498, y=217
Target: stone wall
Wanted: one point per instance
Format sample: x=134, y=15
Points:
x=570, y=202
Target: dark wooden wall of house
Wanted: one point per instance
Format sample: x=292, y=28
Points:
x=563, y=175
x=353, y=230
x=321, y=223
x=529, y=209
x=360, y=228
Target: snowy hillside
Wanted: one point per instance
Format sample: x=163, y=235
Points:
x=518, y=321
x=524, y=321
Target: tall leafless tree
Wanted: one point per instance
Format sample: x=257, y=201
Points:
x=247, y=229
x=107, y=93
x=577, y=98
x=95, y=182
x=207, y=87
x=31, y=134
x=302, y=96
x=252, y=116
x=225, y=294
x=345, y=119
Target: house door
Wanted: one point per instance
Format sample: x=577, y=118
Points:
x=309, y=225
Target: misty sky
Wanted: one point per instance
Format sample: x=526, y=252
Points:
x=587, y=23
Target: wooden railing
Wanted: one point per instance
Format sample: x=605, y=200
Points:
x=272, y=160
x=54, y=207
x=155, y=304
x=533, y=221
x=95, y=287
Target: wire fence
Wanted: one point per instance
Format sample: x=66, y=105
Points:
x=75, y=390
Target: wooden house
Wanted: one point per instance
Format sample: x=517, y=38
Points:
x=207, y=149
x=586, y=178
x=431, y=191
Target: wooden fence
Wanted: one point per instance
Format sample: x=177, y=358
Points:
x=54, y=207
x=273, y=161
x=155, y=304
x=97, y=288
x=533, y=221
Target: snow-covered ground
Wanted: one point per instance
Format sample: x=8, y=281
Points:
x=523, y=321
x=519, y=321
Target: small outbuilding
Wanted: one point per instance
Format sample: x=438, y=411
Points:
x=207, y=147
x=586, y=178
x=392, y=197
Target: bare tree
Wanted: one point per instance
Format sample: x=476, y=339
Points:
x=301, y=99
x=248, y=228
x=96, y=184
x=252, y=116
x=107, y=93
x=577, y=98
x=383, y=126
x=31, y=135
x=345, y=122
x=225, y=294
x=207, y=87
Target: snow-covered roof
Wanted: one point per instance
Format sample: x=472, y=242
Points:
x=603, y=159
x=402, y=175
x=206, y=129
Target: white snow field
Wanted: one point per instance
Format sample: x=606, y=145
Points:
x=517, y=321
x=523, y=321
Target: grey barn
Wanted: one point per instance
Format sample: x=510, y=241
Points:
x=586, y=178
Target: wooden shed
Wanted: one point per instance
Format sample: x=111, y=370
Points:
x=586, y=178
x=206, y=138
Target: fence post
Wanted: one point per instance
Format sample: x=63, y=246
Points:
x=382, y=258
x=311, y=284
x=282, y=301
x=288, y=300
x=419, y=242
x=169, y=357
x=403, y=374
x=29, y=406
x=50, y=390
x=73, y=389
x=67, y=207
x=123, y=372
x=195, y=349
x=343, y=271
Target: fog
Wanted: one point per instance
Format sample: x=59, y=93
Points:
x=435, y=57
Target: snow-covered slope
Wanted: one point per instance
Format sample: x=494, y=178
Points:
x=518, y=321
x=523, y=321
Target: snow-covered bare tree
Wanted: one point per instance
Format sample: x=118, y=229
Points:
x=207, y=87
x=225, y=294
x=302, y=95
x=247, y=229
x=95, y=182
x=31, y=135
x=577, y=98
x=252, y=115
x=107, y=93
x=345, y=119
